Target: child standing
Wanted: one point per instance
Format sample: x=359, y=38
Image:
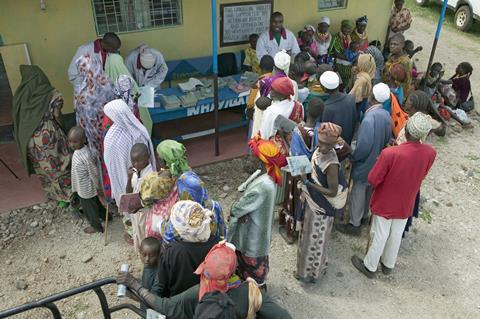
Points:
x=141, y=167
x=149, y=251
x=251, y=61
x=254, y=113
x=85, y=180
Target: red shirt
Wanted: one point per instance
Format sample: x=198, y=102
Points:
x=396, y=178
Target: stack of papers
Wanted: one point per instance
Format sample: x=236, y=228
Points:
x=191, y=85
x=170, y=101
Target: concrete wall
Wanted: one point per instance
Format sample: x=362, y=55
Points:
x=53, y=35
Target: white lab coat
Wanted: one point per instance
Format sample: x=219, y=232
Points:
x=83, y=50
x=152, y=77
x=265, y=46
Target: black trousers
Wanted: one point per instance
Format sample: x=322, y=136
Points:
x=93, y=211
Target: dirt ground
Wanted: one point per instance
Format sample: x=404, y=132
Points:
x=44, y=251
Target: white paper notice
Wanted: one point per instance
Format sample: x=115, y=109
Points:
x=146, y=98
x=298, y=165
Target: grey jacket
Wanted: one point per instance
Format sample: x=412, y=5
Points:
x=250, y=227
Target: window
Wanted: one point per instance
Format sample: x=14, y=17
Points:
x=134, y=15
x=331, y=4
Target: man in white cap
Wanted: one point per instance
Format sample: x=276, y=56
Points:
x=276, y=39
x=340, y=108
x=374, y=134
x=396, y=179
x=147, y=66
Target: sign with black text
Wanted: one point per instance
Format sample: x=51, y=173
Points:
x=239, y=20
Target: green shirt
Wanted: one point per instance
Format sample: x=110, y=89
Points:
x=278, y=37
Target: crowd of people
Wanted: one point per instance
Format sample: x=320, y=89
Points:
x=359, y=114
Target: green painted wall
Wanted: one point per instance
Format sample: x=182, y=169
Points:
x=54, y=35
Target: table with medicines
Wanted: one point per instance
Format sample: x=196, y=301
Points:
x=195, y=97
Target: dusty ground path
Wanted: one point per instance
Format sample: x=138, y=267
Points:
x=437, y=274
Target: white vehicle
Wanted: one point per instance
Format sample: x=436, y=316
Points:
x=465, y=11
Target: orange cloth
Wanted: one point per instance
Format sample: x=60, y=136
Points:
x=216, y=270
x=269, y=153
x=399, y=117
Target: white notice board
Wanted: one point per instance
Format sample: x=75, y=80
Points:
x=239, y=20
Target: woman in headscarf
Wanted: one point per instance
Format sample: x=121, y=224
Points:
x=191, y=187
x=340, y=43
x=192, y=242
x=125, y=87
x=324, y=195
x=125, y=131
x=41, y=140
x=398, y=57
x=90, y=96
x=364, y=72
x=251, y=217
x=172, y=153
x=323, y=37
x=159, y=193
x=359, y=34
x=306, y=42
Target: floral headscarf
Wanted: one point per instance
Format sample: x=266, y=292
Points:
x=155, y=186
x=191, y=221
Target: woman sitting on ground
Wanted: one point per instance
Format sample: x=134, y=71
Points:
x=39, y=134
x=458, y=88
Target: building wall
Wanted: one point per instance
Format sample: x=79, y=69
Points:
x=53, y=35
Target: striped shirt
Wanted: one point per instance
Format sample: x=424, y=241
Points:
x=84, y=174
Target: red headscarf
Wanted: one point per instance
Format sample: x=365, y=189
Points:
x=215, y=270
x=283, y=86
x=269, y=153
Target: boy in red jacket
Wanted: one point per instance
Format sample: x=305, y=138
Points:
x=396, y=179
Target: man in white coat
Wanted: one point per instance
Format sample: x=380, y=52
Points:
x=147, y=66
x=110, y=43
x=276, y=39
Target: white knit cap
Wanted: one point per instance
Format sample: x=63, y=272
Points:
x=381, y=92
x=330, y=80
x=325, y=20
x=282, y=60
x=419, y=125
x=147, y=59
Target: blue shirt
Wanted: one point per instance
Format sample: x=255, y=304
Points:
x=375, y=132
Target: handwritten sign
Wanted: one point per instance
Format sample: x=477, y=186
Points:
x=239, y=20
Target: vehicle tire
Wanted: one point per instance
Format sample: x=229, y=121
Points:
x=464, y=18
x=422, y=2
